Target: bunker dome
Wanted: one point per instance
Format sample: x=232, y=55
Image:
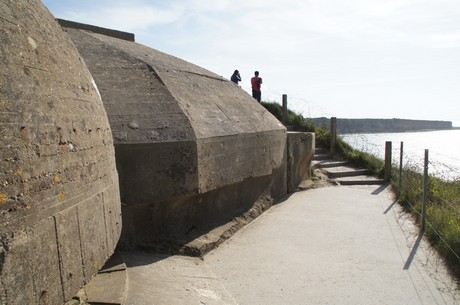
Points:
x=60, y=209
x=193, y=150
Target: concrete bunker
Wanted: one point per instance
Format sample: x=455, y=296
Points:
x=60, y=209
x=192, y=149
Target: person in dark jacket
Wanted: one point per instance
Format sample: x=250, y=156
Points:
x=236, y=77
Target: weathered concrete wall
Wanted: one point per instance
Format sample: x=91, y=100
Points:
x=301, y=148
x=193, y=150
x=59, y=197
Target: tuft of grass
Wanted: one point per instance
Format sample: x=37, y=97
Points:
x=373, y=164
x=294, y=120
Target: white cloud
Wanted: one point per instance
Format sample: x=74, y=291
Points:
x=446, y=40
x=126, y=18
x=347, y=56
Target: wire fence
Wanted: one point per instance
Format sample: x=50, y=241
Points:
x=435, y=203
x=428, y=188
x=432, y=197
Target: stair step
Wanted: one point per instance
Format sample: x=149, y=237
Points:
x=360, y=180
x=344, y=171
x=339, y=171
x=321, y=157
x=321, y=150
x=328, y=163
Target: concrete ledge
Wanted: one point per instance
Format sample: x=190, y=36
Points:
x=96, y=29
x=301, y=148
x=211, y=240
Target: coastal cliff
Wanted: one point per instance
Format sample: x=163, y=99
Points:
x=383, y=125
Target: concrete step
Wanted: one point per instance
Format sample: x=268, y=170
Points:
x=340, y=172
x=327, y=163
x=321, y=156
x=360, y=180
x=321, y=150
x=344, y=171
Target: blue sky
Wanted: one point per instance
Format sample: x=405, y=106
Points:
x=343, y=58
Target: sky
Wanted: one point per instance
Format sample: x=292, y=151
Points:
x=332, y=58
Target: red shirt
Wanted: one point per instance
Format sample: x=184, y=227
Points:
x=255, y=83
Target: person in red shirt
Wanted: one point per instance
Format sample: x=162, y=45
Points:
x=256, y=81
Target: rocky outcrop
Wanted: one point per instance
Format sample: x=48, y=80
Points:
x=59, y=197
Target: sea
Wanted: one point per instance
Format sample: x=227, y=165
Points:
x=443, y=149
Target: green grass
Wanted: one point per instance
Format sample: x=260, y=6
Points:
x=443, y=198
x=323, y=139
x=296, y=121
x=442, y=212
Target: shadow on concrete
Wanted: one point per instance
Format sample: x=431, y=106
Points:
x=193, y=225
x=413, y=251
x=141, y=258
x=283, y=199
x=390, y=207
x=143, y=254
x=380, y=189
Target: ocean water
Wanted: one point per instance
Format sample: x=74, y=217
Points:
x=443, y=149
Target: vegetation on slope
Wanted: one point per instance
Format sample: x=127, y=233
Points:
x=323, y=139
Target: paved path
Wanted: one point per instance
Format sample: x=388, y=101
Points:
x=332, y=245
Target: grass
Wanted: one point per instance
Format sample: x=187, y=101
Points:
x=323, y=138
x=442, y=212
x=443, y=198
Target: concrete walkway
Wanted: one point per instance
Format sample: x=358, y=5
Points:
x=331, y=245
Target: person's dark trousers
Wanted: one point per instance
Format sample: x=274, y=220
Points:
x=257, y=95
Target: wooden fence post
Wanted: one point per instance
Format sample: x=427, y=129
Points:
x=425, y=190
x=333, y=135
x=401, y=155
x=387, y=160
x=285, y=111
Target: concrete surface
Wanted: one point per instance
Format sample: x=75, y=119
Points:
x=157, y=279
x=109, y=286
x=59, y=197
x=331, y=245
